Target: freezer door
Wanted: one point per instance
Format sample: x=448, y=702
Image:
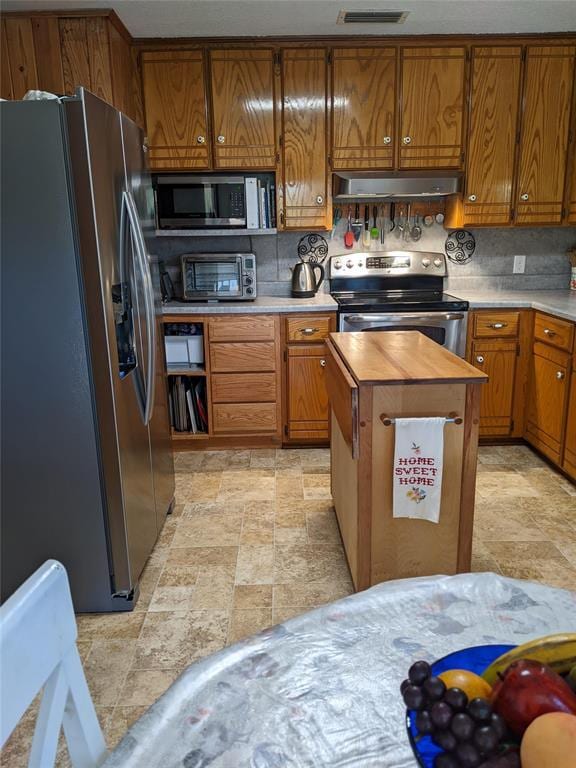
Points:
x=116, y=318
x=139, y=188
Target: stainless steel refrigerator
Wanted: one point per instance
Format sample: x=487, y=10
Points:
x=87, y=469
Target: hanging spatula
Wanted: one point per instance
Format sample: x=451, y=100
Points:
x=374, y=232
x=366, y=230
x=349, y=236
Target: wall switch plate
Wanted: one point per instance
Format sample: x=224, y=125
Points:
x=519, y=264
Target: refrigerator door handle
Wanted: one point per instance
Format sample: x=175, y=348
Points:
x=144, y=266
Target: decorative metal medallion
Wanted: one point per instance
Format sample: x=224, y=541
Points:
x=459, y=246
x=312, y=248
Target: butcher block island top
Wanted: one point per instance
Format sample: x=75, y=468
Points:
x=401, y=357
x=374, y=379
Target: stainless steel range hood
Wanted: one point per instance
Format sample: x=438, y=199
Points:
x=393, y=185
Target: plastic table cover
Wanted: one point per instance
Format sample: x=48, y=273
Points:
x=322, y=689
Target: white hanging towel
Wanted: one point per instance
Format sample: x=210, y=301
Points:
x=418, y=459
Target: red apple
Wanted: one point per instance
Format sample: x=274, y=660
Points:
x=529, y=689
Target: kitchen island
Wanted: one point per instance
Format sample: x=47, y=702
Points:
x=372, y=380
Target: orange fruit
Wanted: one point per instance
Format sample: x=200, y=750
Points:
x=550, y=742
x=472, y=684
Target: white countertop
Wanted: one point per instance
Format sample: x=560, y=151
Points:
x=322, y=302
x=559, y=303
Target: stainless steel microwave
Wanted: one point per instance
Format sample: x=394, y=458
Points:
x=229, y=276
x=200, y=202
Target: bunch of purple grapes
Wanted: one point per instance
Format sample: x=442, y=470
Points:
x=469, y=732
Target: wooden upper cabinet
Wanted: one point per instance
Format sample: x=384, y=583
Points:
x=363, y=108
x=74, y=51
x=548, y=82
x=21, y=55
x=493, y=127
x=175, y=109
x=304, y=130
x=5, y=74
x=432, y=106
x=243, y=108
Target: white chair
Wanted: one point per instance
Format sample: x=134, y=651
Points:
x=38, y=650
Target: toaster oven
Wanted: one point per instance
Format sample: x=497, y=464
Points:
x=216, y=276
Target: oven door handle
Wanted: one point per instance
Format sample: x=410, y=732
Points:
x=430, y=316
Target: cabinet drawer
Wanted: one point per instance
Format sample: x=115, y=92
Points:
x=244, y=417
x=242, y=328
x=243, y=388
x=247, y=356
x=308, y=327
x=552, y=330
x=496, y=324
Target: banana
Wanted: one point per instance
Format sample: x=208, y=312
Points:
x=556, y=651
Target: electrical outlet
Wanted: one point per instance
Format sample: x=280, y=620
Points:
x=519, y=264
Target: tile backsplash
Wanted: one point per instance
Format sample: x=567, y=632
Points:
x=491, y=266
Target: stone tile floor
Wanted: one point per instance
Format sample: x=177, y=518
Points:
x=253, y=540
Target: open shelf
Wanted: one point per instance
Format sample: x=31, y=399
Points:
x=189, y=435
x=185, y=371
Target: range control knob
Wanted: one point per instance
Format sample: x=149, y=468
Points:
x=249, y=291
x=248, y=280
x=349, y=263
x=426, y=263
x=337, y=265
x=360, y=263
x=437, y=262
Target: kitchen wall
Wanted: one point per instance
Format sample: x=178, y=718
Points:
x=490, y=267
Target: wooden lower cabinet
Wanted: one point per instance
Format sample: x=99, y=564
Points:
x=569, y=464
x=498, y=360
x=547, y=400
x=306, y=394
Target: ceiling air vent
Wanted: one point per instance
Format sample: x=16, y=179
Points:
x=372, y=17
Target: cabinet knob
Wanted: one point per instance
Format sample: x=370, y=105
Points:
x=200, y=139
x=497, y=326
x=560, y=375
x=387, y=140
x=308, y=331
x=480, y=359
x=220, y=139
x=472, y=198
x=406, y=140
x=319, y=199
x=524, y=197
x=323, y=363
x=549, y=332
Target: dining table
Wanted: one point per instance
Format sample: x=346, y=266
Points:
x=321, y=690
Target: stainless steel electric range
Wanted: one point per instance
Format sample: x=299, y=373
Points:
x=398, y=291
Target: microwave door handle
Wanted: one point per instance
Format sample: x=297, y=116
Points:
x=144, y=268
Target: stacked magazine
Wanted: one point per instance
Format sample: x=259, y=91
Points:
x=187, y=396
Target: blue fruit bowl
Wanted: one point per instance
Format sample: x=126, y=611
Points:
x=475, y=659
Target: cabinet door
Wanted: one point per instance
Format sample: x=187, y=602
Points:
x=544, y=134
x=547, y=400
x=432, y=103
x=494, y=102
x=570, y=447
x=21, y=55
x=243, y=108
x=363, y=107
x=74, y=47
x=307, y=399
x=48, y=55
x=5, y=75
x=175, y=109
x=497, y=359
x=304, y=124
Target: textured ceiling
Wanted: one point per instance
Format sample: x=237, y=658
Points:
x=217, y=18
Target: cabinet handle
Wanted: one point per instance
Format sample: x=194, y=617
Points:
x=220, y=139
x=480, y=359
x=387, y=140
x=319, y=199
x=472, y=198
x=524, y=197
x=308, y=331
x=323, y=363
x=549, y=332
x=201, y=139
x=560, y=375
x=406, y=140
x=497, y=325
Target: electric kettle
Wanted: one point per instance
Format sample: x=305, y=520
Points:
x=304, y=282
